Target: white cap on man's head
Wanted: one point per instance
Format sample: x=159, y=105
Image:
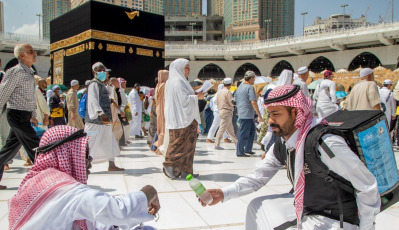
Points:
x=365, y=72
x=74, y=82
x=227, y=81
x=98, y=64
x=387, y=82
x=303, y=70
x=250, y=73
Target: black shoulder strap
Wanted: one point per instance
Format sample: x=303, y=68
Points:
x=312, y=155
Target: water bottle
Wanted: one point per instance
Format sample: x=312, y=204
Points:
x=199, y=189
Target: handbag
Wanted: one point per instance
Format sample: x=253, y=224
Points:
x=57, y=112
x=123, y=120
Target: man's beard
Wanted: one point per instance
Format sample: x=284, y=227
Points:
x=286, y=130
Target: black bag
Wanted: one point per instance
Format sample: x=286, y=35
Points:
x=357, y=125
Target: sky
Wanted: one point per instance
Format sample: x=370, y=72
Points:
x=20, y=15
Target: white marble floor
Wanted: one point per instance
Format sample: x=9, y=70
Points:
x=179, y=206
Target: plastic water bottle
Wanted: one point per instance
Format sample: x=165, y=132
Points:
x=199, y=189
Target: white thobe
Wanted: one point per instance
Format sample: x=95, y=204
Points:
x=100, y=210
x=102, y=142
x=216, y=120
x=126, y=128
x=136, y=106
x=269, y=213
x=260, y=102
x=387, y=98
x=41, y=108
x=326, y=98
x=304, y=88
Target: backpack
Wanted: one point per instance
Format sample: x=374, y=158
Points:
x=83, y=106
x=367, y=135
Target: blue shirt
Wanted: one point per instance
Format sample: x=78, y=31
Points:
x=243, y=97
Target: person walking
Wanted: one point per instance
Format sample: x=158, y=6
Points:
x=389, y=103
x=324, y=96
x=163, y=76
x=17, y=89
x=364, y=95
x=303, y=75
x=74, y=119
x=226, y=108
x=181, y=119
x=98, y=118
x=136, y=106
x=57, y=107
x=245, y=99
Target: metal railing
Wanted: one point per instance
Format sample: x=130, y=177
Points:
x=367, y=29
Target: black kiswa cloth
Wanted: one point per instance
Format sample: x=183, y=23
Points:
x=46, y=148
x=291, y=93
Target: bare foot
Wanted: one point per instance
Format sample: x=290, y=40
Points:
x=28, y=163
x=115, y=169
x=6, y=167
x=2, y=187
x=158, y=152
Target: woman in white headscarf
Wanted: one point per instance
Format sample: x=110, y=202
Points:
x=181, y=120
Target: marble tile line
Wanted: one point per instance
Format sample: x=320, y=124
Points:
x=206, y=227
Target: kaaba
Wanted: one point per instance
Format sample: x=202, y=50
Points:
x=130, y=43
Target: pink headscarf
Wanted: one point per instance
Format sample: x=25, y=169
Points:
x=303, y=123
x=62, y=166
x=150, y=93
x=120, y=81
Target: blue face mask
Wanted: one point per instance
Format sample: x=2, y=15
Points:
x=101, y=76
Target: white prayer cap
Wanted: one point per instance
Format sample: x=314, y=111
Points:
x=87, y=82
x=98, y=64
x=365, y=72
x=295, y=76
x=74, y=82
x=303, y=70
x=387, y=82
x=250, y=73
x=227, y=81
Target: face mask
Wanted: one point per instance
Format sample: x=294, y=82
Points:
x=101, y=76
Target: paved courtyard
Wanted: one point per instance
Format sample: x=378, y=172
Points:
x=179, y=206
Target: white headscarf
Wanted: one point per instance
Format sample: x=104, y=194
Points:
x=181, y=103
x=285, y=78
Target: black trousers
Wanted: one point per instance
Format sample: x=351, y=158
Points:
x=21, y=134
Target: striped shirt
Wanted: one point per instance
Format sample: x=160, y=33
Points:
x=17, y=89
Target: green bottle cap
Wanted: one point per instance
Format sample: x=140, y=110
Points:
x=189, y=177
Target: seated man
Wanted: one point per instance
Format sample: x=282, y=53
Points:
x=54, y=194
x=317, y=201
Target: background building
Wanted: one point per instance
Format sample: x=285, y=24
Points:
x=1, y=17
x=154, y=6
x=335, y=21
x=183, y=7
x=194, y=29
x=52, y=9
x=254, y=20
x=215, y=7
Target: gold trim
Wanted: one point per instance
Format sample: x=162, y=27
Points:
x=133, y=14
x=58, y=67
x=130, y=50
x=157, y=53
x=75, y=50
x=144, y=52
x=92, y=45
x=106, y=36
x=100, y=46
x=116, y=48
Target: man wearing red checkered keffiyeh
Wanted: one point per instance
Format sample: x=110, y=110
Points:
x=291, y=119
x=54, y=194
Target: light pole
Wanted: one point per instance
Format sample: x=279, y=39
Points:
x=39, y=15
x=192, y=24
x=343, y=7
x=267, y=21
x=303, y=23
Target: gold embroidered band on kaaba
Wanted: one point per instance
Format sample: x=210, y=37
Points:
x=106, y=36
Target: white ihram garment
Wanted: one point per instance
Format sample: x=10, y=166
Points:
x=272, y=211
x=136, y=106
x=100, y=210
x=102, y=142
x=326, y=98
x=387, y=98
x=126, y=129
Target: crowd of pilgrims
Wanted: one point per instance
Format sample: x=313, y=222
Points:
x=172, y=115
